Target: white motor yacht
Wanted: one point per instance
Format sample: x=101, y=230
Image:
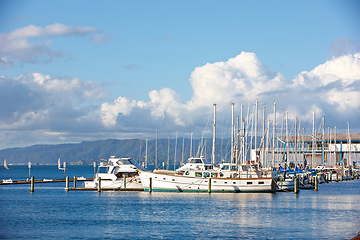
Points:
x=117, y=173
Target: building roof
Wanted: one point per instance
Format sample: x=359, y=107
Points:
x=340, y=137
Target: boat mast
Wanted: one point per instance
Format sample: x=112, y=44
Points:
x=349, y=161
x=274, y=126
x=156, y=147
x=256, y=128
x=232, y=132
x=242, y=134
x=168, y=156
x=296, y=131
x=214, y=135
x=322, y=144
x=335, y=146
x=287, y=140
x=263, y=138
x=313, y=142
x=146, y=153
x=176, y=136
x=183, y=151
x=191, y=136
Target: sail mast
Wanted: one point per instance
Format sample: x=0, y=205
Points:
x=214, y=135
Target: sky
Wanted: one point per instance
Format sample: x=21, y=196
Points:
x=73, y=71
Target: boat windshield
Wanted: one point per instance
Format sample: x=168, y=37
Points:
x=196, y=160
x=103, y=169
x=124, y=161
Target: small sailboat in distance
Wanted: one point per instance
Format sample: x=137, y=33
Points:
x=5, y=164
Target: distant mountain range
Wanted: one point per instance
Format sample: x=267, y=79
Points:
x=93, y=151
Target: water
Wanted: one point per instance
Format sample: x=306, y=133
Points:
x=51, y=213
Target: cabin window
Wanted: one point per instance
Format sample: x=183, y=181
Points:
x=249, y=183
x=206, y=174
x=198, y=174
x=164, y=178
x=225, y=167
x=233, y=168
x=173, y=180
x=225, y=182
x=234, y=182
x=245, y=168
x=103, y=169
x=261, y=182
x=215, y=181
x=213, y=174
x=187, y=173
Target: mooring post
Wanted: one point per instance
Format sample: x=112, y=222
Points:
x=124, y=182
x=316, y=184
x=32, y=184
x=209, y=190
x=296, y=185
x=150, y=185
x=337, y=177
x=67, y=183
x=99, y=184
x=75, y=181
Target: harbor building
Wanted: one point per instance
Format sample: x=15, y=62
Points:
x=328, y=150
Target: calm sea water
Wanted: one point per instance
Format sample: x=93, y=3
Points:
x=51, y=213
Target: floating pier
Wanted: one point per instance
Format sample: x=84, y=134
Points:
x=11, y=182
x=106, y=189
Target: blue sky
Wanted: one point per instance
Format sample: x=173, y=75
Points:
x=87, y=70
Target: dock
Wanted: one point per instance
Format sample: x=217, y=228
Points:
x=107, y=189
x=11, y=182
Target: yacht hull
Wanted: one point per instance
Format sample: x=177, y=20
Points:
x=177, y=183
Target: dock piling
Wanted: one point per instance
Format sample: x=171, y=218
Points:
x=32, y=184
x=209, y=190
x=67, y=183
x=75, y=178
x=150, y=185
x=296, y=185
x=124, y=182
x=99, y=184
x=316, y=184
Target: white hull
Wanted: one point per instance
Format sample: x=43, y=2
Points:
x=131, y=183
x=167, y=182
x=287, y=185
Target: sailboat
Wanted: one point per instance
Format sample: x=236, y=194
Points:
x=197, y=176
x=5, y=164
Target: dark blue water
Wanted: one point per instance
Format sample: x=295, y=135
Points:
x=51, y=213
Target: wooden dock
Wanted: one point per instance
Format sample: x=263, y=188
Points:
x=107, y=189
x=44, y=181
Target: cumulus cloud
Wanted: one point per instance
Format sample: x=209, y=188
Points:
x=331, y=88
x=24, y=45
x=336, y=83
x=243, y=77
x=37, y=101
x=57, y=105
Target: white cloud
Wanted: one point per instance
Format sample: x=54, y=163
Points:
x=335, y=83
x=17, y=47
x=330, y=89
x=43, y=105
x=38, y=101
x=243, y=77
x=110, y=111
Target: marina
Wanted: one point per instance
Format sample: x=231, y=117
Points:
x=143, y=215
